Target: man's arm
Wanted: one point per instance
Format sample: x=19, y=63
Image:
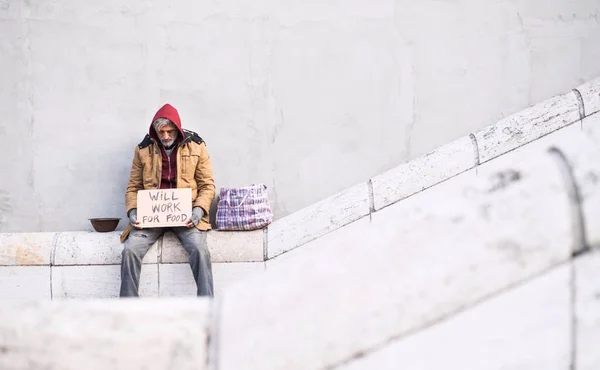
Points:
x=204, y=180
x=135, y=182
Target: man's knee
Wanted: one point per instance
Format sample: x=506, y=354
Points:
x=136, y=245
x=194, y=240
x=202, y=249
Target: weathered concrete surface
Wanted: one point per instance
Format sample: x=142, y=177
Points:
x=587, y=311
x=84, y=282
x=176, y=280
x=590, y=93
x=352, y=233
x=108, y=334
x=424, y=172
x=224, y=246
x=25, y=282
x=580, y=146
x=587, y=176
x=314, y=98
x=26, y=249
x=91, y=248
x=528, y=327
x=104, y=281
x=445, y=249
x=317, y=220
x=527, y=126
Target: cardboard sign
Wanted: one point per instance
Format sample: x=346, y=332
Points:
x=164, y=207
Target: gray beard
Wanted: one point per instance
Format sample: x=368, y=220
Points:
x=170, y=146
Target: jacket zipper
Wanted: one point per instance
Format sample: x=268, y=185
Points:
x=157, y=170
x=169, y=159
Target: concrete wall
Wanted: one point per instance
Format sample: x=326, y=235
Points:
x=309, y=98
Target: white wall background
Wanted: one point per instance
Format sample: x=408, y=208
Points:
x=308, y=97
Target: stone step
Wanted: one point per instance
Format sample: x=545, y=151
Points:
x=422, y=260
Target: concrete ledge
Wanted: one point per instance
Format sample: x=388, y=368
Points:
x=91, y=248
x=82, y=265
x=528, y=125
x=26, y=249
x=590, y=93
x=224, y=246
x=107, y=334
x=423, y=172
x=310, y=223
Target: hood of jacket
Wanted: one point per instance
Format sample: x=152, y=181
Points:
x=169, y=112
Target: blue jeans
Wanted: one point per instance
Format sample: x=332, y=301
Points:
x=138, y=243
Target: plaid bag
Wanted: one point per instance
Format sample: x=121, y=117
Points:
x=245, y=208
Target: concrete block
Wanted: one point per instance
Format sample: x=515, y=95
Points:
x=580, y=145
x=25, y=282
x=98, y=281
x=421, y=260
x=224, y=246
x=92, y=248
x=590, y=92
x=236, y=246
x=176, y=280
x=227, y=274
x=120, y=334
x=526, y=126
x=314, y=221
x=587, y=311
x=423, y=172
x=25, y=249
x=528, y=327
x=586, y=168
x=347, y=235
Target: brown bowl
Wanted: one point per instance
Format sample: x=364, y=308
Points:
x=103, y=225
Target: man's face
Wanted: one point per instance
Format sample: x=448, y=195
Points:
x=167, y=134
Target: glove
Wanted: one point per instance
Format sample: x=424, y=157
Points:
x=133, y=217
x=197, y=214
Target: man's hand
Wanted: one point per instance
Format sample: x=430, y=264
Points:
x=133, y=219
x=197, y=214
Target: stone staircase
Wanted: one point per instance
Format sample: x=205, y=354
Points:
x=479, y=255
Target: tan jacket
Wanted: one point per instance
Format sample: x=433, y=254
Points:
x=193, y=171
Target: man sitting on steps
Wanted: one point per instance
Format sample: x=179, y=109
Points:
x=169, y=157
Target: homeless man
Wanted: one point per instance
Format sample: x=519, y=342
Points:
x=169, y=157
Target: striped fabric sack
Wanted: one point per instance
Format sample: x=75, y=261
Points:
x=245, y=208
